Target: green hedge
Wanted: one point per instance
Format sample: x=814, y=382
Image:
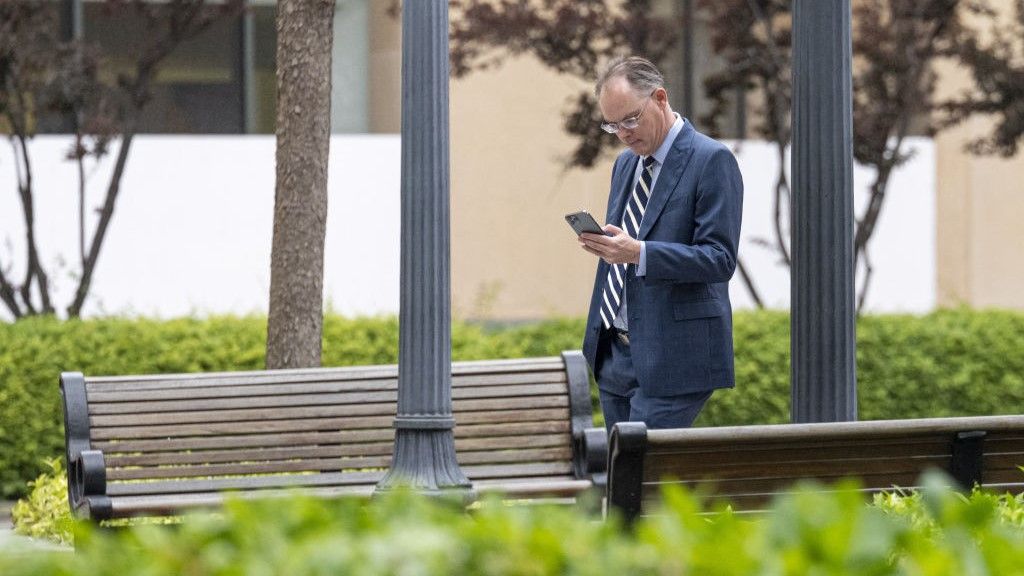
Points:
x=947, y=363
x=809, y=532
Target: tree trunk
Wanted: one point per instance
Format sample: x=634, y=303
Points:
x=304, y=39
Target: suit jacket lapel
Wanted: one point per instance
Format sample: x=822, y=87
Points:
x=624, y=186
x=675, y=163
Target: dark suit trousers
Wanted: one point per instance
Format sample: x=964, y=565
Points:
x=623, y=400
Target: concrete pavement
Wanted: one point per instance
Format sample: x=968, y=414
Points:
x=11, y=543
x=5, y=515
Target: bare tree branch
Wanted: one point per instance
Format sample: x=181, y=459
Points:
x=782, y=193
x=7, y=294
x=869, y=271
x=80, y=161
x=748, y=282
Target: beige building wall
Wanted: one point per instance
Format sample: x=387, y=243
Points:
x=513, y=255
x=980, y=213
x=385, y=61
x=980, y=206
x=514, y=258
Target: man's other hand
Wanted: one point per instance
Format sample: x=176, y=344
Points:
x=616, y=248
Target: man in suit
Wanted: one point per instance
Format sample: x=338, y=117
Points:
x=659, y=330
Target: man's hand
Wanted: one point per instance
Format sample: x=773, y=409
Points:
x=617, y=248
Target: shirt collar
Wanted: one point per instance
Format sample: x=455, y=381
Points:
x=662, y=152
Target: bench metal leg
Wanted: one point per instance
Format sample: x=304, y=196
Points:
x=967, y=464
x=626, y=469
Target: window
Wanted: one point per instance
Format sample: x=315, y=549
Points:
x=198, y=88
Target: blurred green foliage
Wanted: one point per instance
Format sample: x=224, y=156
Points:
x=954, y=362
x=807, y=532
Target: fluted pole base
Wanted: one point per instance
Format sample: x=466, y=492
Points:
x=424, y=460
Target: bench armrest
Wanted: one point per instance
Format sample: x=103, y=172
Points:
x=87, y=485
x=589, y=445
x=87, y=472
x=628, y=446
x=592, y=446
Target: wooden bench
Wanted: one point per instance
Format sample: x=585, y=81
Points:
x=749, y=465
x=155, y=445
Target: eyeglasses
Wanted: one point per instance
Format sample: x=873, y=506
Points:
x=630, y=123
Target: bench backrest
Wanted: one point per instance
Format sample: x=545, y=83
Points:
x=749, y=465
x=194, y=435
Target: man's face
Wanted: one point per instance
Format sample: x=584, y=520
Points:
x=619, y=101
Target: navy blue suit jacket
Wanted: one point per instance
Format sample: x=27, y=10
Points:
x=680, y=317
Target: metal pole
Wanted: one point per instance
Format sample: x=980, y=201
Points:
x=824, y=380
x=71, y=29
x=246, y=68
x=686, y=7
x=424, y=452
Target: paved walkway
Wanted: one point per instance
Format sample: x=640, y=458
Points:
x=5, y=515
x=11, y=543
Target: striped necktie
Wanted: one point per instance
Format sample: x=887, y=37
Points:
x=632, y=216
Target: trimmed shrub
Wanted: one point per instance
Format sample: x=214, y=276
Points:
x=955, y=362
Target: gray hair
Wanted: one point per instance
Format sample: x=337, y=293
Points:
x=641, y=74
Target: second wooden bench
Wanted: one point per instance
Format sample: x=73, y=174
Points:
x=747, y=466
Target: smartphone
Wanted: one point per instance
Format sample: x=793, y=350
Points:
x=582, y=222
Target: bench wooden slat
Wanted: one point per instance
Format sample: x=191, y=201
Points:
x=1000, y=465
x=250, y=468
x=152, y=504
x=340, y=423
x=242, y=377
x=800, y=452
x=527, y=456
x=276, y=481
x=1010, y=476
x=481, y=431
x=328, y=479
x=741, y=490
x=767, y=483
x=280, y=398
x=545, y=398
x=749, y=501
x=834, y=430
x=472, y=373
x=293, y=451
x=169, y=504
x=812, y=468
x=476, y=389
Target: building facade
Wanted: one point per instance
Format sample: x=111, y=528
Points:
x=947, y=238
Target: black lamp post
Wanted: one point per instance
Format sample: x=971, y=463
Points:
x=824, y=379
x=424, y=452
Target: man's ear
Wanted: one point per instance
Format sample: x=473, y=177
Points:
x=660, y=95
